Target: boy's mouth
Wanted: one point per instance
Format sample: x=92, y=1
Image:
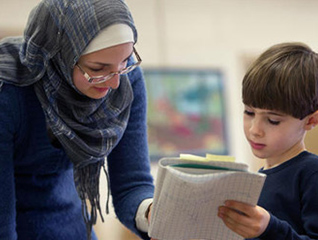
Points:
x=257, y=146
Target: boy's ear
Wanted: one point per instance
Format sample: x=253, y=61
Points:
x=312, y=121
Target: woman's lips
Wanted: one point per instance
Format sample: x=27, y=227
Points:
x=102, y=89
x=257, y=146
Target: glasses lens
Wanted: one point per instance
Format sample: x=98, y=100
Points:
x=128, y=69
x=102, y=79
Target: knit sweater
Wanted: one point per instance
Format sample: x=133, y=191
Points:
x=38, y=199
x=290, y=194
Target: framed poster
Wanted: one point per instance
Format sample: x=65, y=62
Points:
x=186, y=112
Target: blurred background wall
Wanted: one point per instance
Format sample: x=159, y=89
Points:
x=203, y=34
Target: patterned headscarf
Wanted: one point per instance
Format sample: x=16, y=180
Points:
x=57, y=33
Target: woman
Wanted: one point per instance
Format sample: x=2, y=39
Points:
x=71, y=96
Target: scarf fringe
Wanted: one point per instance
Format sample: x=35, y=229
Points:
x=87, y=184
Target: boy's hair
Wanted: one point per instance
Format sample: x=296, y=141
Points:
x=284, y=78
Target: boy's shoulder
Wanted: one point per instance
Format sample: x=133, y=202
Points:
x=307, y=162
x=306, y=169
x=309, y=156
x=300, y=165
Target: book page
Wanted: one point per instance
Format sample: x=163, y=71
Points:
x=223, y=164
x=185, y=204
x=208, y=157
x=223, y=158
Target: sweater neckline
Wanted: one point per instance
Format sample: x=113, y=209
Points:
x=284, y=164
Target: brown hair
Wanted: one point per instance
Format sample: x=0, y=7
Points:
x=284, y=78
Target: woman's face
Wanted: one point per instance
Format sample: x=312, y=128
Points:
x=102, y=62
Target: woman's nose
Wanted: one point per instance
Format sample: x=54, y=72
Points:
x=114, y=81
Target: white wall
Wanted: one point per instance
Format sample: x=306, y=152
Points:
x=220, y=34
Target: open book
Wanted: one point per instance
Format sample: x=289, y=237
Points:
x=189, y=191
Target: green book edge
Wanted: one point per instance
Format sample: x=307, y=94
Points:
x=199, y=166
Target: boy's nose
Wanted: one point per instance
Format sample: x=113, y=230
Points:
x=256, y=129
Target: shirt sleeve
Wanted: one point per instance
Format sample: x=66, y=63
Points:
x=142, y=222
x=128, y=164
x=279, y=229
x=8, y=111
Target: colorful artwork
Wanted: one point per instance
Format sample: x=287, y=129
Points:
x=185, y=112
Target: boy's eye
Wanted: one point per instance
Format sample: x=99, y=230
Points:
x=249, y=113
x=273, y=122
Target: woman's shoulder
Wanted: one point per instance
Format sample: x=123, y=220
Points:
x=9, y=98
x=12, y=91
x=15, y=100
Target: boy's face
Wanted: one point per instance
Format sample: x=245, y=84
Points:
x=272, y=135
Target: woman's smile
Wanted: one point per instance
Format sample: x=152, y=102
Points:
x=102, y=89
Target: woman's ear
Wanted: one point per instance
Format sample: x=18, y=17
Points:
x=312, y=121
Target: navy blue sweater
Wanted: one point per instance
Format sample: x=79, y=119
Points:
x=290, y=194
x=38, y=199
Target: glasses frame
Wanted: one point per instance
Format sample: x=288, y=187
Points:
x=104, y=78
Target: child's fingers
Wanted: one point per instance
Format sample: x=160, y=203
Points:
x=244, y=208
x=234, y=216
x=240, y=229
x=243, y=218
x=241, y=224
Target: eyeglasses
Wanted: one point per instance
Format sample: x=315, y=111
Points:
x=104, y=78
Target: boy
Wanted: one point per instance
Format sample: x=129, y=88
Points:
x=280, y=94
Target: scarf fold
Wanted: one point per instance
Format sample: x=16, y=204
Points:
x=88, y=129
x=88, y=135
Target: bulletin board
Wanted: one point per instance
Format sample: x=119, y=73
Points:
x=186, y=112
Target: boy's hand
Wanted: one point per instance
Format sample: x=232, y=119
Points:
x=244, y=219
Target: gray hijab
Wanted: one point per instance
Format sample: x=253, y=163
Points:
x=56, y=34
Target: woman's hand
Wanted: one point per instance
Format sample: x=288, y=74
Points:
x=149, y=216
x=244, y=219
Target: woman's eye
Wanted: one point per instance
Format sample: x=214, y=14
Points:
x=273, y=122
x=125, y=62
x=96, y=70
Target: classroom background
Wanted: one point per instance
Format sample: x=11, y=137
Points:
x=204, y=37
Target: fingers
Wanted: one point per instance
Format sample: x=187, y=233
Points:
x=244, y=208
x=242, y=230
x=234, y=220
x=246, y=220
x=148, y=213
x=233, y=216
